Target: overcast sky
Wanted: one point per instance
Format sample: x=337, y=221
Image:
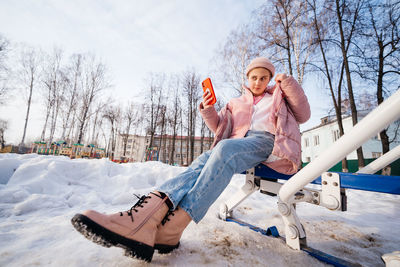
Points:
x=133, y=38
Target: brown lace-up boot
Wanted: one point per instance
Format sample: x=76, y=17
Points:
x=134, y=230
x=170, y=230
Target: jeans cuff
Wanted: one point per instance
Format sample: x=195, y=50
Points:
x=189, y=211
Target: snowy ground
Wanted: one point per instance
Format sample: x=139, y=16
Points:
x=40, y=194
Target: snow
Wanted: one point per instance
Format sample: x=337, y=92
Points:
x=40, y=194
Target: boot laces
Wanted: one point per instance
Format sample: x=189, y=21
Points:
x=167, y=216
x=142, y=200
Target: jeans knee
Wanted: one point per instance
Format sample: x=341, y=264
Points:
x=224, y=147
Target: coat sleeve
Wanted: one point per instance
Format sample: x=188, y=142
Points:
x=296, y=99
x=210, y=117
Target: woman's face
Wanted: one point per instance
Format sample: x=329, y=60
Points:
x=258, y=80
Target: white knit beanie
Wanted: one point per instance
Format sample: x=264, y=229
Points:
x=261, y=62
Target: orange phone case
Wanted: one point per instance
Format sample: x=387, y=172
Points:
x=208, y=85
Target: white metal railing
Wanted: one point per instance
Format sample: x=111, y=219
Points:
x=372, y=124
x=381, y=162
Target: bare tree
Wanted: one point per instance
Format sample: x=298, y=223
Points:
x=322, y=19
x=48, y=101
x=163, y=126
x=4, y=44
x=74, y=73
x=28, y=74
x=154, y=100
x=203, y=128
x=94, y=82
x=191, y=84
x=286, y=29
x=381, y=53
x=97, y=119
x=181, y=141
x=3, y=128
x=130, y=116
x=175, y=112
x=55, y=83
x=240, y=47
x=112, y=115
x=163, y=123
x=347, y=15
x=3, y=85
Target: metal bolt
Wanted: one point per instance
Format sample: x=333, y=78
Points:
x=329, y=174
x=283, y=209
x=315, y=201
x=315, y=194
x=335, y=184
x=324, y=183
x=293, y=232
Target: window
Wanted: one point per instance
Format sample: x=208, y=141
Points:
x=316, y=140
x=306, y=142
x=335, y=135
x=129, y=140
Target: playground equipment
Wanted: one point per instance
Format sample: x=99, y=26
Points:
x=98, y=153
x=42, y=148
x=39, y=147
x=76, y=150
x=333, y=184
x=66, y=151
x=56, y=147
x=61, y=148
x=152, y=153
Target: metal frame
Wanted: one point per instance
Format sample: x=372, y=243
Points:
x=382, y=161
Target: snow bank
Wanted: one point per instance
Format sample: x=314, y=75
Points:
x=40, y=194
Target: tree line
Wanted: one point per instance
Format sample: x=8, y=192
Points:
x=76, y=107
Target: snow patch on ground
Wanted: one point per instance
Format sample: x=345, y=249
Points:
x=40, y=194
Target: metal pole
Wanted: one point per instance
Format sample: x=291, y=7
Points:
x=372, y=124
x=381, y=162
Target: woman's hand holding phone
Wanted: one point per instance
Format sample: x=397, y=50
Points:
x=207, y=99
x=208, y=95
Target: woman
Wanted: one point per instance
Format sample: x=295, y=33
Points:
x=261, y=126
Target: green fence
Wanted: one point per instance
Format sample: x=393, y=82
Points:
x=353, y=166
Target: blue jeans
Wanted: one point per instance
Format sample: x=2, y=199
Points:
x=196, y=189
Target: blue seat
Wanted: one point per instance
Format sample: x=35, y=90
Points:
x=358, y=181
x=263, y=171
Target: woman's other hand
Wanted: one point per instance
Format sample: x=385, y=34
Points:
x=280, y=77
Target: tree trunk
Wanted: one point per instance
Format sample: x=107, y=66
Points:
x=27, y=113
x=379, y=95
x=336, y=102
x=353, y=107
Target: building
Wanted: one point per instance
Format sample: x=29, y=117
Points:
x=137, y=148
x=316, y=140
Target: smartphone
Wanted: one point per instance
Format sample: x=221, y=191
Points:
x=207, y=85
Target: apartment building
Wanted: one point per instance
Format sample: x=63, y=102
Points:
x=317, y=139
x=137, y=148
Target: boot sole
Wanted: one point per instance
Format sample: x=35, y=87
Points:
x=164, y=249
x=104, y=237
